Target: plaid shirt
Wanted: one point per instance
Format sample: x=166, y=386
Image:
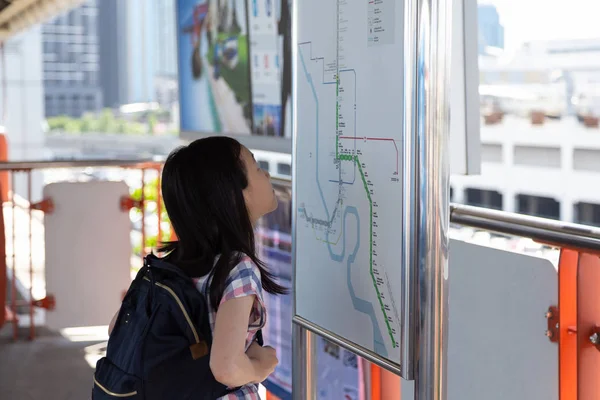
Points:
x=244, y=280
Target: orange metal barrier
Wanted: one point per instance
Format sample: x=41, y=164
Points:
x=47, y=302
x=4, y=176
x=4, y=312
x=376, y=373
x=4, y=187
x=9, y=308
x=579, y=325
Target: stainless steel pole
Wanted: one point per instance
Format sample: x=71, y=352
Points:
x=304, y=366
x=434, y=29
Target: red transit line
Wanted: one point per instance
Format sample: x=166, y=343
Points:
x=379, y=139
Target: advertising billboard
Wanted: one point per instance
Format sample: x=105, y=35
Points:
x=214, y=83
x=271, y=72
x=235, y=73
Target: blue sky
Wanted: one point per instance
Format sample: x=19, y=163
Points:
x=526, y=20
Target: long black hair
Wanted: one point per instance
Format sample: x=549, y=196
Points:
x=202, y=187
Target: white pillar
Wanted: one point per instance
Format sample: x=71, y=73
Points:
x=509, y=201
x=567, y=210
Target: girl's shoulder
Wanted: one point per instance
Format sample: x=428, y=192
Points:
x=244, y=279
x=245, y=265
x=245, y=272
x=245, y=269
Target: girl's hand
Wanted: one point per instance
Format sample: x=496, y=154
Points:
x=253, y=350
x=265, y=360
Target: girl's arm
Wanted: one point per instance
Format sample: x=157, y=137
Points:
x=229, y=362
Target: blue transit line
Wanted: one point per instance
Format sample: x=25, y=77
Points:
x=359, y=304
x=314, y=92
x=329, y=218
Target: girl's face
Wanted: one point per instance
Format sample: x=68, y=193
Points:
x=259, y=195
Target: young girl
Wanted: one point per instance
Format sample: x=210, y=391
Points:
x=214, y=193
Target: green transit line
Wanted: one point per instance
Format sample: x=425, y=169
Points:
x=346, y=157
x=337, y=115
x=354, y=158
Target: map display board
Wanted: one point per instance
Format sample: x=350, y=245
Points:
x=348, y=183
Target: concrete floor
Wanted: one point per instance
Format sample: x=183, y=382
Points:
x=49, y=368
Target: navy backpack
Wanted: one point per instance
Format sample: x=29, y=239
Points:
x=160, y=345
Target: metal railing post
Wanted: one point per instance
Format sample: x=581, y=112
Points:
x=432, y=167
x=304, y=364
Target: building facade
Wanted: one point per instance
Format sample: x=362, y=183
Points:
x=71, y=67
x=136, y=47
x=491, y=32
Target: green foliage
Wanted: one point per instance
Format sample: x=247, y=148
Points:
x=150, y=195
x=150, y=191
x=106, y=122
x=58, y=123
x=152, y=242
x=88, y=124
x=152, y=121
x=73, y=126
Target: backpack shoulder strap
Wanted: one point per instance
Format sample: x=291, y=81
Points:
x=259, y=337
x=154, y=262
